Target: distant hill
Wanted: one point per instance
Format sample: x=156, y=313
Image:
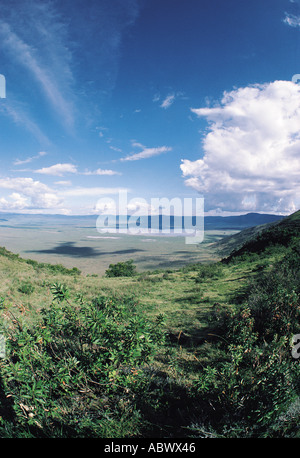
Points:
x=240, y=221
x=210, y=222
x=257, y=239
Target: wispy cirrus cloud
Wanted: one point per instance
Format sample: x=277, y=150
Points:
x=52, y=45
x=292, y=20
x=62, y=169
x=102, y=172
x=168, y=101
x=22, y=118
x=146, y=153
x=34, y=38
x=54, y=75
x=29, y=159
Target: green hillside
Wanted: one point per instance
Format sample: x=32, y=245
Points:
x=272, y=236
x=232, y=243
x=202, y=351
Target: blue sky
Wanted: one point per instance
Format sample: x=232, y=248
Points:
x=162, y=98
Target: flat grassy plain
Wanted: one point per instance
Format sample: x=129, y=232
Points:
x=78, y=244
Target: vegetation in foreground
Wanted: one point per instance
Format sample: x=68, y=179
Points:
x=204, y=351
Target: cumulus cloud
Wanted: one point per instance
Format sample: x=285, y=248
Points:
x=28, y=194
x=58, y=169
x=16, y=202
x=251, y=159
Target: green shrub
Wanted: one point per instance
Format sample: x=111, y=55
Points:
x=246, y=395
x=60, y=292
x=249, y=390
x=75, y=374
x=274, y=299
x=52, y=268
x=121, y=269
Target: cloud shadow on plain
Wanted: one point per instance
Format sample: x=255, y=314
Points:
x=68, y=249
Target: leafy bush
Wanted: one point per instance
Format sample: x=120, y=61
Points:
x=60, y=292
x=274, y=299
x=253, y=386
x=54, y=268
x=76, y=372
x=245, y=395
x=121, y=269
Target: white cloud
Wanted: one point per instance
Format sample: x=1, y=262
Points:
x=137, y=144
x=57, y=169
x=28, y=194
x=251, y=155
x=146, y=152
x=63, y=183
x=169, y=100
x=14, y=111
x=16, y=202
x=292, y=20
x=102, y=172
x=61, y=169
x=29, y=159
x=114, y=148
x=41, y=50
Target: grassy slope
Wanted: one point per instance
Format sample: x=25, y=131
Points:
x=174, y=293
x=258, y=238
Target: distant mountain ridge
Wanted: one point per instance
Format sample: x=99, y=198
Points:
x=238, y=222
